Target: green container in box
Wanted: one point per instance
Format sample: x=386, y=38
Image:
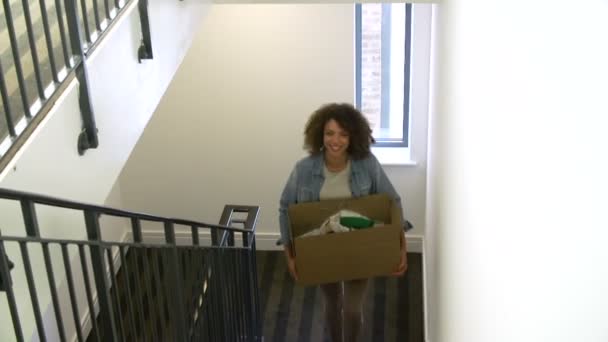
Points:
x=355, y=222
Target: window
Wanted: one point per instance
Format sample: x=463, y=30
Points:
x=383, y=62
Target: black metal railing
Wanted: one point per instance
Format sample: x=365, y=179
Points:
x=44, y=45
x=183, y=289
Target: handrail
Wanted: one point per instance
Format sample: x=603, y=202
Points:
x=111, y=243
x=67, y=204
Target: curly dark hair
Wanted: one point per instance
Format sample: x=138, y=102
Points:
x=349, y=118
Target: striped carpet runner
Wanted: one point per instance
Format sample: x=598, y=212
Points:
x=393, y=310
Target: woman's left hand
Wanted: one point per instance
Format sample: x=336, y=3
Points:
x=403, y=264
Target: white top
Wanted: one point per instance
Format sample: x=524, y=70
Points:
x=336, y=184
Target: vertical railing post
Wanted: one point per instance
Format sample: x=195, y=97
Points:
x=85, y=21
x=223, y=271
x=10, y=295
x=30, y=220
x=33, y=49
x=48, y=39
x=195, y=237
x=246, y=296
x=145, y=49
x=213, y=294
x=250, y=284
x=176, y=284
x=72, y=292
x=253, y=300
x=88, y=136
x=8, y=116
x=87, y=286
x=13, y=38
x=257, y=315
x=226, y=220
x=146, y=269
x=106, y=311
x=95, y=6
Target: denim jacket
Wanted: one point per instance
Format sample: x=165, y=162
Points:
x=306, y=179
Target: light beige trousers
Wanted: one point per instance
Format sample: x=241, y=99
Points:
x=344, y=309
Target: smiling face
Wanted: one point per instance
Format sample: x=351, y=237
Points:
x=335, y=140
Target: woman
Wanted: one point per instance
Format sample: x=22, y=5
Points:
x=340, y=164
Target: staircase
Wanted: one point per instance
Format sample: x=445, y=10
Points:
x=137, y=291
x=46, y=50
x=90, y=288
x=43, y=45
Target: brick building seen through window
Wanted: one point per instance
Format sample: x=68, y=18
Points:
x=383, y=46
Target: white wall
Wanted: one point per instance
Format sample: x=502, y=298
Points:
x=229, y=129
x=124, y=96
x=433, y=219
x=520, y=213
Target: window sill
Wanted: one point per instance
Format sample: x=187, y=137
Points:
x=394, y=156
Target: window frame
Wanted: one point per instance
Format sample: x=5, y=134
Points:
x=405, y=141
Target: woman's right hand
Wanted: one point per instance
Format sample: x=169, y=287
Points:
x=291, y=263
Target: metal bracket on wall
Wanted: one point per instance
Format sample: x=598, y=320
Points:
x=145, y=49
x=88, y=136
x=10, y=267
x=5, y=268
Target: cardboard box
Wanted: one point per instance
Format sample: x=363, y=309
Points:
x=350, y=255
